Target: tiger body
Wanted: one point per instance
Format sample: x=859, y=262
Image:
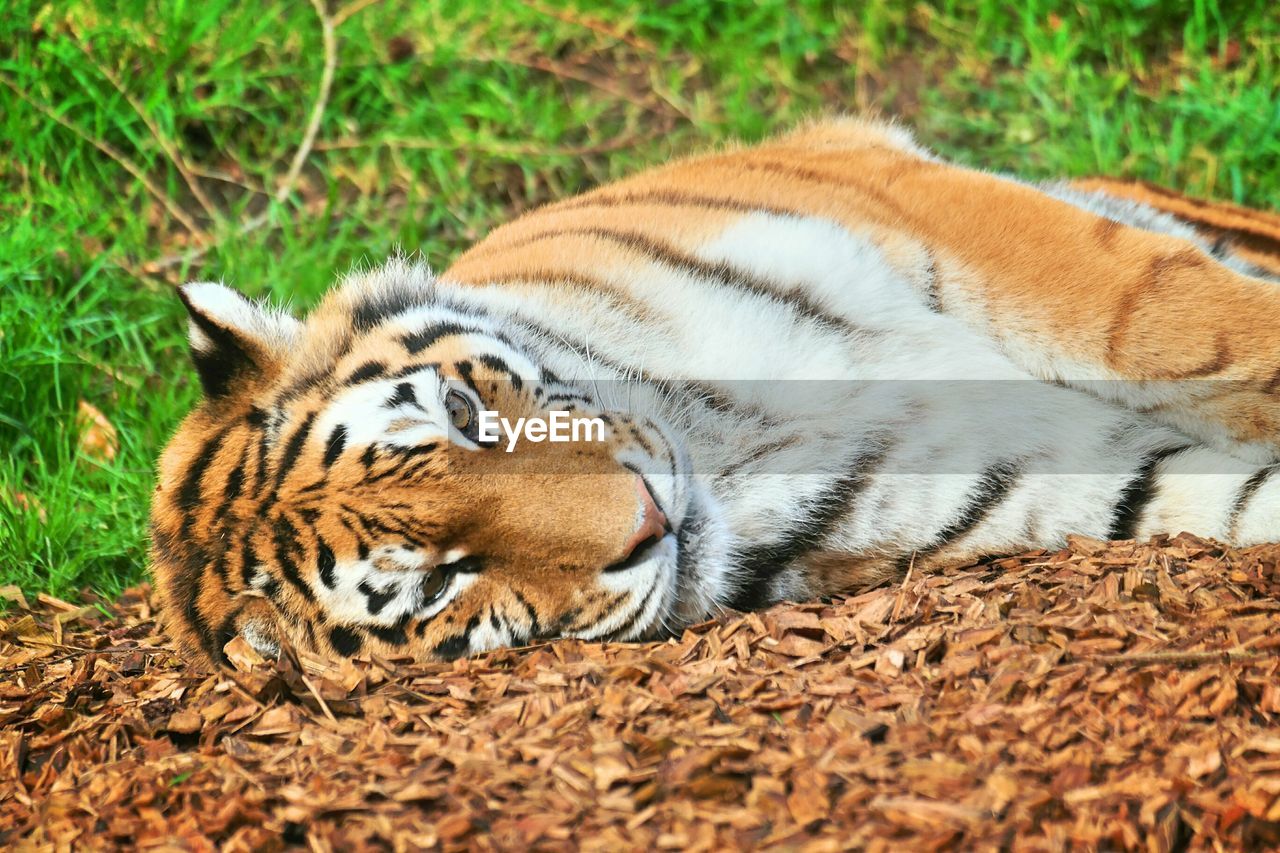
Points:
x=823, y=362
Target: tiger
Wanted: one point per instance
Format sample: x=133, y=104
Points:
x=821, y=363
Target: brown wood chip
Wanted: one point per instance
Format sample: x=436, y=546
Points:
x=1108, y=695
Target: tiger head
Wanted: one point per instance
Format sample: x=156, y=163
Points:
x=341, y=487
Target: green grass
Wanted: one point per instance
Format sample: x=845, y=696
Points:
x=446, y=118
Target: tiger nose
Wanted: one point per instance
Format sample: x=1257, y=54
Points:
x=652, y=523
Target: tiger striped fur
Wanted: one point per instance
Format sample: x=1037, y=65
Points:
x=821, y=360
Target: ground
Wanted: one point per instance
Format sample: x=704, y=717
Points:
x=1120, y=696
x=275, y=144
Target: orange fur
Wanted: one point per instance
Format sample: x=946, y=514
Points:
x=1106, y=299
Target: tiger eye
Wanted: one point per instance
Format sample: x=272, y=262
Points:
x=433, y=584
x=459, y=408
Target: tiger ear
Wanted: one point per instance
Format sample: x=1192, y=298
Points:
x=233, y=339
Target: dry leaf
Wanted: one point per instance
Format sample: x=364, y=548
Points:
x=98, y=438
x=22, y=500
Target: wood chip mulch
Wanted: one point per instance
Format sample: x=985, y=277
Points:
x=1122, y=696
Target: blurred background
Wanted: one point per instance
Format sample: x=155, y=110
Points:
x=274, y=145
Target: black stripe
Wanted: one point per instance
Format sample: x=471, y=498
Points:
x=285, y=539
x=625, y=628
x=333, y=447
x=392, y=635
x=416, y=367
x=421, y=628
x=994, y=485
x=762, y=452
x=235, y=481
x=499, y=366
x=189, y=493
x=467, y=372
x=362, y=547
x=762, y=563
x=310, y=630
x=585, y=621
x=220, y=567
x=222, y=515
x=643, y=442
x=377, y=600
x=404, y=395
x=567, y=619
x=1221, y=248
x=189, y=582
x=345, y=641
x=365, y=372
x=264, y=445
x=721, y=273
x=674, y=199
x=374, y=526
x=932, y=288
x=693, y=391
x=459, y=644
x=1259, y=232
x=535, y=627
x=302, y=385
x=802, y=173
x=248, y=557
x=416, y=342
x=325, y=563
x=415, y=450
x=568, y=397
x=293, y=449
x=1247, y=492
x=1138, y=492
x=373, y=310
x=164, y=543
x=397, y=464
x=420, y=471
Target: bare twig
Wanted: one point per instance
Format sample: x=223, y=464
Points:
x=115, y=375
x=324, y=706
x=901, y=597
x=567, y=72
x=321, y=102
x=175, y=210
x=166, y=145
x=496, y=149
x=1176, y=658
x=227, y=178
